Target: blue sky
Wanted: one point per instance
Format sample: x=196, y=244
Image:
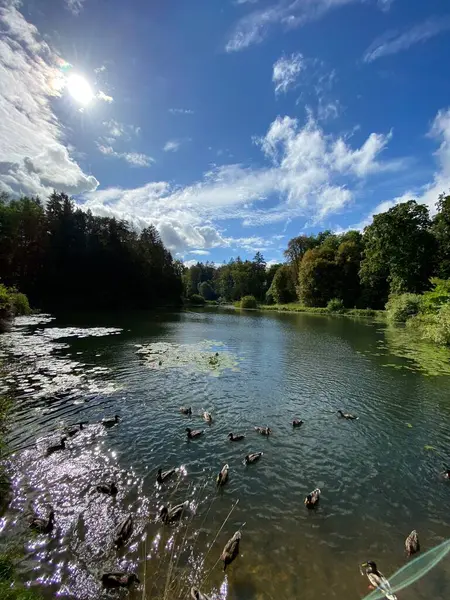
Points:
x=231, y=125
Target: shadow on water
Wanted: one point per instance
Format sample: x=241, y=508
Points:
x=378, y=481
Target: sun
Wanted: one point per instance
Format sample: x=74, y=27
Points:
x=79, y=89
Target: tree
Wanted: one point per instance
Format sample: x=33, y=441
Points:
x=206, y=290
x=282, y=288
x=398, y=251
x=441, y=231
x=317, y=277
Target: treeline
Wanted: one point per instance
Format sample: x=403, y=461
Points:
x=63, y=257
x=398, y=253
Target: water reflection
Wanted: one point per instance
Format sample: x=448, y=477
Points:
x=377, y=480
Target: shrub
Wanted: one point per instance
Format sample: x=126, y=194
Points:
x=5, y=298
x=197, y=299
x=335, y=305
x=401, y=308
x=434, y=327
x=20, y=304
x=249, y=302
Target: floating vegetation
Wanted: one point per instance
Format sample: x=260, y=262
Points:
x=421, y=356
x=429, y=448
x=409, y=425
x=203, y=356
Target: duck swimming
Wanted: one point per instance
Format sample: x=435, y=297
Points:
x=186, y=410
x=263, y=430
x=164, y=475
x=222, y=477
x=207, y=416
x=313, y=498
x=43, y=525
x=119, y=580
x=236, y=438
x=347, y=416
x=253, y=457
x=446, y=473
x=169, y=514
x=197, y=595
x=110, y=421
x=56, y=447
x=193, y=433
x=71, y=431
x=110, y=489
x=297, y=423
x=377, y=579
x=124, y=531
x=412, y=543
x=231, y=550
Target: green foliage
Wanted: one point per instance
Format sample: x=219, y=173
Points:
x=249, y=302
x=5, y=299
x=335, y=305
x=433, y=326
x=9, y=589
x=317, y=277
x=197, y=300
x=20, y=304
x=206, y=290
x=282, y=289
x=441, y=231
x=401, y=308
x=436, y=297
x=397, y=250
x=269, y=299
x=60, y=255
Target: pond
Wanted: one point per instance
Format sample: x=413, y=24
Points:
x=379, y=475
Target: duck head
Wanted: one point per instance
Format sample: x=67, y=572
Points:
x=370, y=566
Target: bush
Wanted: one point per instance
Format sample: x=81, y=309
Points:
x=5, y=298
x=401, y=308
x=249, y=302
x=20, y=304
x=197, y=299
x=335, y=305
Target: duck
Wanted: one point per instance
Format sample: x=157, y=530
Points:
x=446, y=472
x=222, y=477
x=164, y=475
x=231, y=550
x=110, y=421
x=347, y=416
x=71, y=431
x=193, y=433
x=412, y=543
x=313, y=498
x=263, y=430
x=196, y=594
x=43, y=525
x=377, y=579
x=236, y=438
x=169, y=514
x=186, y=410
x=297, y=423
x=119, y=580
x=110, y=489
x=57, y=447
x=207, y=416
x=123, y=531
x=253, y=457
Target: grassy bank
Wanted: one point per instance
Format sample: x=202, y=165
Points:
x=298, y=308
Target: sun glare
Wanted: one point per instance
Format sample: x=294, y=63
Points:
x=79, y=89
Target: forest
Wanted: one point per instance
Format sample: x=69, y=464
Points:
x=398, y=253
x=61, y=256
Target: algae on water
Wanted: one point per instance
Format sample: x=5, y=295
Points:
x=206, y=356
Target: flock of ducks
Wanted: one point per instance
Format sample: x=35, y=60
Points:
x=170, y=514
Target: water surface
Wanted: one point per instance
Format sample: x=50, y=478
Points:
x=377, y=478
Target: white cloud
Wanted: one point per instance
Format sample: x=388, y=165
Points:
x=286, y=71
x=172, y=146
x=200, y=252
x=102, y=96
x=307, y=174
x=136, y=159
x=393, y=42
x=440, y=183
x=254, y=27
x=181, y=111
x=34, y=158
x=75, y=6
